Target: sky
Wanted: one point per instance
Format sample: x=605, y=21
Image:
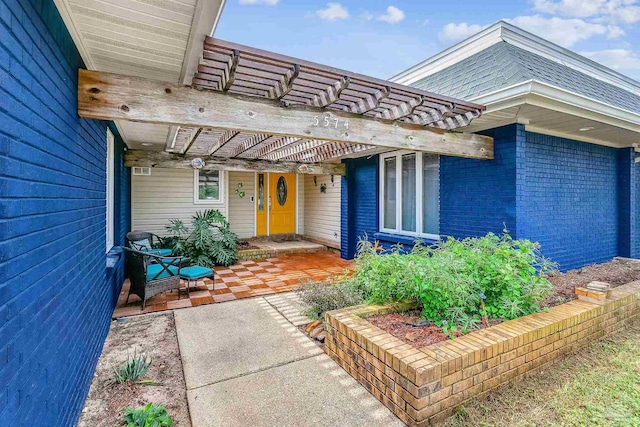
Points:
x=383, y=38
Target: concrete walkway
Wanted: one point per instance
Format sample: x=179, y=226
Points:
x=246, y=364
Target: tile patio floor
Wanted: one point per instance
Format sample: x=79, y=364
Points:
x=244, y=280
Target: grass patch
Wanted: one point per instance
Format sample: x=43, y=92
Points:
x=599, y=386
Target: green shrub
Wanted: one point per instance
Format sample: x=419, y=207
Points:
x=458, y=282
x=151, y=415
x=210, y=242
x=320, y=297
x=134, y=368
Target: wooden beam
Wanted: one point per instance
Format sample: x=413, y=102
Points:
x=108, y=96
x=162, y=159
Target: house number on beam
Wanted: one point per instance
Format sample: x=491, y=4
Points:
x=333, y=122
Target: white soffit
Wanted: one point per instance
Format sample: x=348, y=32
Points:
x=154, y=39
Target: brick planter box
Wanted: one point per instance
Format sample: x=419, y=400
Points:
x=424, y=385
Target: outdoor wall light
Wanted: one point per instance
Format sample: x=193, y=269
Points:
x=586, y=128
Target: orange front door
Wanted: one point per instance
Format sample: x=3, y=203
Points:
x=282, y=203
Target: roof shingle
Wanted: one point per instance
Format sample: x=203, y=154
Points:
x=502, y=65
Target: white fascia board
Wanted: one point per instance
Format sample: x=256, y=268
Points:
x=205, y=21
x=466, y=48
x=547, y=96
x=65, y=13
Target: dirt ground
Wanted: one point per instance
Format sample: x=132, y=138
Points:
x=616, y=272
x=156, y=336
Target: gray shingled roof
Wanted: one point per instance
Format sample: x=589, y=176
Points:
x=502, y=65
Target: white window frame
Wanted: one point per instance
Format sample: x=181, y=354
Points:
x=419, y=195
x=110, y=190
x=196, y=185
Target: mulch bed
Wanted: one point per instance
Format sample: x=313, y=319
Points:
x=156, y=336
x=402, y=326
x=616, y=273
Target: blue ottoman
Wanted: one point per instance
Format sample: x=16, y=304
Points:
x=195, y=272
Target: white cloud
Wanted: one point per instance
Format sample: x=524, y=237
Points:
x=565, y=32
x=455, y=32
x=622, y=60
x=267, y=2
x=573, y=8
x=366, y=15
x=626, y=11
x=614, y=32
x=332, y=12
x=393, y=15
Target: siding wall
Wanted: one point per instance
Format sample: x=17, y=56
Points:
x=57, y=285
x=242, y=210
x=168, y=194
x=164, y=195
x=322, y=210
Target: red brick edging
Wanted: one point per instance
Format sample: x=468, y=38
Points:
x=424, y=385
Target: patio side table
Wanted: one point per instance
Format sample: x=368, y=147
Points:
x=195, y=272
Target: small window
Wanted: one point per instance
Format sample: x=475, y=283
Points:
x=208, y=188
x=410, y=194
x=137, y=170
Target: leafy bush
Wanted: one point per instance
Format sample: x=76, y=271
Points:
x=458, y=282
x=151, y=415
x=320, y=297
x=134, y=368
x=210, y=242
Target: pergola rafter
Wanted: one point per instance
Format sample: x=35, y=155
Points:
x=295, y=153
x=224, y=139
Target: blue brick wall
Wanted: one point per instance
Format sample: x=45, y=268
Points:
x=56, y=283
x=359, y=201
x=479, y=196
x=571, y=199
x=625, y=203
x=580, y=201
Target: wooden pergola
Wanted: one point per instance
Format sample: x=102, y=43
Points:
x=249, y=109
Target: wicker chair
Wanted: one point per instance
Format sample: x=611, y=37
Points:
x=151, y=278
x=135, y=241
